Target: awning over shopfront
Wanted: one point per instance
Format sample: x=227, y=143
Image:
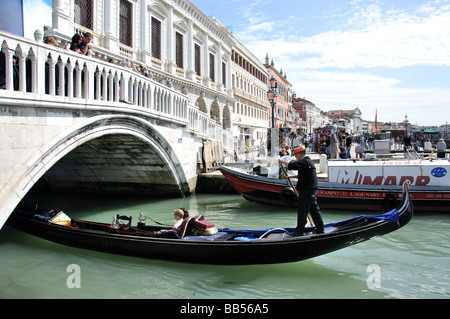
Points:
x=430, y=132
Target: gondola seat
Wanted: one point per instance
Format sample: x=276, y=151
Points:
x=186, y=227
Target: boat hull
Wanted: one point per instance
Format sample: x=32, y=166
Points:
x=338, y=196
x=223, y=247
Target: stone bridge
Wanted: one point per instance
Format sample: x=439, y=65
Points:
x=80, y=123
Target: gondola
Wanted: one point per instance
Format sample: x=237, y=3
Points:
x=276, y=192
x=220, y=246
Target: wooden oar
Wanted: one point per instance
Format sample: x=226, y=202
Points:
x=308, y=219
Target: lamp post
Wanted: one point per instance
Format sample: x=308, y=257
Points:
x=272, y=96
x=310, y=126
x=406, y=125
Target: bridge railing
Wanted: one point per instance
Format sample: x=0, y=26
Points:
x=36, y=70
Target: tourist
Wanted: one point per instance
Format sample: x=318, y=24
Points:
x=185, y=212
x=178, y=214
x=143, y=70
x=51, y=41
x=348, y=145
x=427, y=146
x=441, y=148
x=296, y=141
x=360, y=149
x=74, y=44
x=307, y=189
x=130, y=65
x=262, y=148
x=85, y=46
x=407, y=142
x=334, y=144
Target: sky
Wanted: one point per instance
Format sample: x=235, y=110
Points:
x=390, y=58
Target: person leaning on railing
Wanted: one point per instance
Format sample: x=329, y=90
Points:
x=81, y=44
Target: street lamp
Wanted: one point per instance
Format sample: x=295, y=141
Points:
x=272, y=96
x=310, y=126
x=406, y=125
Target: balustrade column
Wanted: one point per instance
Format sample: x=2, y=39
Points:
x=61, y=78
x=88, y=83
x=69, y=80
x=135, y=92
x=104, y=93
x=111, y=87
x=97, y=84
x=51, y=76
x=77, y=81
x=9, y=74
x=124, y=88
x=34, y=74
x=22, y=71
x=40, y=70
x=116, y=88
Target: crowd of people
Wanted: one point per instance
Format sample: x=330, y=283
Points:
x=322, y=140
x=330, y=142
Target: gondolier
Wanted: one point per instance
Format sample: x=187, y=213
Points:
x=307, y=189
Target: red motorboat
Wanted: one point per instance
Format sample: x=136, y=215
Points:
x=277, y=192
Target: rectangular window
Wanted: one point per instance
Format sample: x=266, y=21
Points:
x=224, y=74
x=179, y=50
x=212, y=70
x=83, y=12
x=156, y=38
x=198, y=60
x=126, y=23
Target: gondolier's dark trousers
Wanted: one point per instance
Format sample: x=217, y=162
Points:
x=307, y=202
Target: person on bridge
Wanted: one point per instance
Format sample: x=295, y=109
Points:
x=86, y=46
x=74, y=44
x=307, y=190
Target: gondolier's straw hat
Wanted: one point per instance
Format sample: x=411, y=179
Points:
x=299, y=149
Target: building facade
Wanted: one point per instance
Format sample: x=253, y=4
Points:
x=284, y=116
x=174, y=40
x=349, y=119
x=249, y=80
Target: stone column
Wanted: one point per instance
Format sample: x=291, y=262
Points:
x=170, y=58
x=190, y=73
x=61, y=17
x=206, y=78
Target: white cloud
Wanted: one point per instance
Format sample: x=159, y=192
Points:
x=345, y=90
x=395, y=41
x=36, y=14
x=332, y=68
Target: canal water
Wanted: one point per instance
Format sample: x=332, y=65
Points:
x=412, y=262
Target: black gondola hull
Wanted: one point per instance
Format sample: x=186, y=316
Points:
x=277, y=247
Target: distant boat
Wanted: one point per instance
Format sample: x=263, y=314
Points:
x=223, y=246
x=346, y=196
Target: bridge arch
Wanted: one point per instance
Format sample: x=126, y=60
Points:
x=107, y=153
